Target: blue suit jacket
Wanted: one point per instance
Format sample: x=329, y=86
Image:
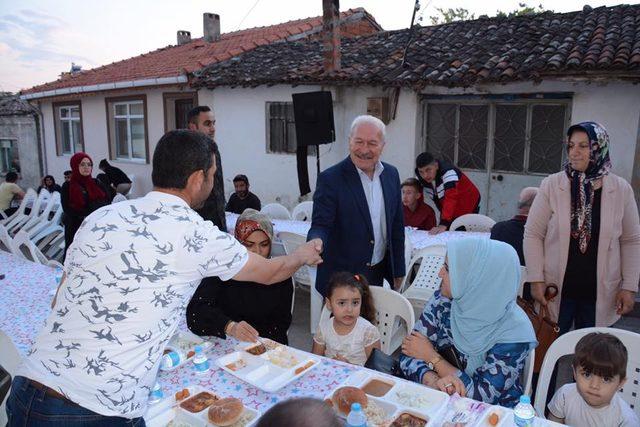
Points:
x=342, y=221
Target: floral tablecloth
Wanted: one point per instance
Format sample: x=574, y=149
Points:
x=419, y=238
x=25, y=297
x=26, y=291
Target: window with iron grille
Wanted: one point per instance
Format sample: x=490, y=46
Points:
x=281, y=129
x=519, y=137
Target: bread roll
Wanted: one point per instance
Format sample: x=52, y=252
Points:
x=345, y=396
x=225, y=412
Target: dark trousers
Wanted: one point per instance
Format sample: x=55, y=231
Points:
x=30, y=406
x=375, y=274
x=577, y=313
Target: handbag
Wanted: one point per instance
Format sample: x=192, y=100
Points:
x=382, y=362
x=546, y=329
x=450, y=354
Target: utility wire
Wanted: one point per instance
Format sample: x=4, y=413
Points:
x=245, y=16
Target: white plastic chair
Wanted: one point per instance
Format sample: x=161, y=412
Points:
x=9, y=360
x=19, y=215
x=120, y=198
x=408, y=250
x=40, y=221
x=473, y=222
x=523, y=280
x=40, y=202
x=566, y=344
x=426, y=280
x=527, y=374
x=132, y=191
x=276, y=211
x=303, y=212
x=389, y=306
x=6, y=242
x=24, y=247
x=305, y=276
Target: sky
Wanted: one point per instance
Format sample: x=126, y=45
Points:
x=39, y=39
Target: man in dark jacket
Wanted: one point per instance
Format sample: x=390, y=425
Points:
x=452, y=191
x=357, y=212
x=203, y=120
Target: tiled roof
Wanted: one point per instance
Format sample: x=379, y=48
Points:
x=12, y=105
x=598, y=43
x=176, y=60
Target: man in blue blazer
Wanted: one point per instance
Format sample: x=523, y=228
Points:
x=357, y=211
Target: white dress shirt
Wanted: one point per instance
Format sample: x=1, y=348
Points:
x=375, y=200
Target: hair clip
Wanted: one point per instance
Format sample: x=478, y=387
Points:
x=357, y=277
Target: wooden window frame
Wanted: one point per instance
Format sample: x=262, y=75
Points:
x=112, y=145
x=174, y=96
x=56, y=126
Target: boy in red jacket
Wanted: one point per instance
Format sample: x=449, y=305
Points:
x=416, y=212
x=451, y=190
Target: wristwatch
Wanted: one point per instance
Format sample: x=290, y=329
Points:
x=433, y=362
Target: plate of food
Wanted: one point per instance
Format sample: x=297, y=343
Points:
x=417, y=402
x=267, y=365
x=378, y=411
x=197, y=407
x=181, y=349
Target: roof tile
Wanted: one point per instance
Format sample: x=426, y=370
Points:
x=602, y=40
x=173, y=60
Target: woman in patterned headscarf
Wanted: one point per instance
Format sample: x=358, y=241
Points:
x=244, y=310
x=583, y=235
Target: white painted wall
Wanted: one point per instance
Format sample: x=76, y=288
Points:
x=94, y=126
x=241, y=130
x=241, y=135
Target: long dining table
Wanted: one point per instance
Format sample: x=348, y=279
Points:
x=26, y=292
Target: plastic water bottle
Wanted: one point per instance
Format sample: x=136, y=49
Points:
x=171, y=360
x=524, y=414
x=156, y=393
x=356, y=417
x=200, y=361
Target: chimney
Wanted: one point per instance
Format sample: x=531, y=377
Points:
x=184, y=37
x=211, y=24
x=331, y=35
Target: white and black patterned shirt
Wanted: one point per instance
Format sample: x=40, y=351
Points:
x=131, y=271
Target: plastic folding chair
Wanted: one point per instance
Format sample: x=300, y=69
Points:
x=428, y=261
x=276, y=211
x=303, y=212
x=473, y=222
x=566, y=344
x=19, y=215
x=24, y=247
x=390, y=305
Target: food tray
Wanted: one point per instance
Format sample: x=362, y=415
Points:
x=169, y=412
x=427, y=403
x=505, y=417
x=464, y=412
x=184, y=342
x=261, y=372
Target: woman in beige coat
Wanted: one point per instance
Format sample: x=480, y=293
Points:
x=583, y=235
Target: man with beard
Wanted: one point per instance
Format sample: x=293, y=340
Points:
x=357, y=211
x=242, y=198
x=203, y=120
